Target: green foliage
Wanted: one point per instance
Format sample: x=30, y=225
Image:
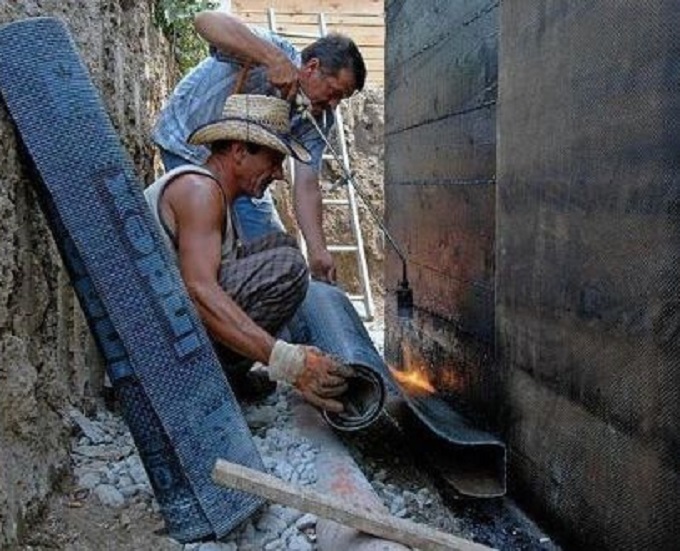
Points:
x=175, y=18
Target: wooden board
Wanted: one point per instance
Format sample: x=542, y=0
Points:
x=298, y=21
x=310, y=6
x=331, y=507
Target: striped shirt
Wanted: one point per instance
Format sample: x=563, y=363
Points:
x=199, y=99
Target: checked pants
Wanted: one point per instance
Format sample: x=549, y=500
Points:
x=268, y=279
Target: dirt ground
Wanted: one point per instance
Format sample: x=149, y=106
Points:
x=77, y=521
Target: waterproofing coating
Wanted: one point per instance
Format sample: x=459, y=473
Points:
x=180, y=408
x=588, y=265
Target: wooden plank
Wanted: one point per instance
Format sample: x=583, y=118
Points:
x=370, y=36
x=360, y=36
x=326, y=6
x=327, y=506
x=348, y=20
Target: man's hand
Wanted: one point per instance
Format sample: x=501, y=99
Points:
x=322, y=379
x=317, y=376
x=322, y=266
x=231, y=36
x=284, y=75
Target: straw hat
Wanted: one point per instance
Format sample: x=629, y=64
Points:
x=263, y=120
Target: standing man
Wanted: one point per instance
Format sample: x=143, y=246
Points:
x=253, y=60
x=244, y=295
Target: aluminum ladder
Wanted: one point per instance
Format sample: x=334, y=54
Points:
x=363, y=302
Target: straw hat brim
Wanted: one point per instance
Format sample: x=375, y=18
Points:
x=233, y=128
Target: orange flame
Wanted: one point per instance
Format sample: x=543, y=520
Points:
x=414, y=381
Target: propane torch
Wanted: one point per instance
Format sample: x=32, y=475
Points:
x=403, y=291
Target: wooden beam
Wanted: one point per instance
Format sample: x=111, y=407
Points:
x=327, y=506
x=301, y=6
x=372, y=36
x=338, y=19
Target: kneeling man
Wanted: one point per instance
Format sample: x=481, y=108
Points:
x=244, y=294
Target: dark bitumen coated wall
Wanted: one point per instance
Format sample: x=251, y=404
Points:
x=441, y=85
x=588, y=261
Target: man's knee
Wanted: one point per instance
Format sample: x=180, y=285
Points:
x=296, y=277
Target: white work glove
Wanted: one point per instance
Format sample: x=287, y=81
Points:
x=318, y=376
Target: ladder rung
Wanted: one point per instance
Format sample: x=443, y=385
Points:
x=343, y=248
x=356, y=298
x=341, y=202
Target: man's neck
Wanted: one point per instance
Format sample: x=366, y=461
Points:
x=222, y=171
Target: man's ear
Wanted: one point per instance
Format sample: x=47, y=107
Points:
x=311, y=65
x=239, y=152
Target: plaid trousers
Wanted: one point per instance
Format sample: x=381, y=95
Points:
x=268, y=279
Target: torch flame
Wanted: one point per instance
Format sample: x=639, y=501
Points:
x=413, y=380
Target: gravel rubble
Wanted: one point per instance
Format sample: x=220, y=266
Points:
x=106, y=466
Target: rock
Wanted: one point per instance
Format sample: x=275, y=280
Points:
x=397, y=504
x=91, y=431
x=299, y=542
x=261, y=416
x=89, y=480
x=217, y=546
x=129, y=491
x=125, y=520
x=286, y=514
x=109, y=496
x=125, y=481
x=136, y=470
x=109, y=452
x=283, y=470
x=306, y=522
x=271, y=523
x=275, y=545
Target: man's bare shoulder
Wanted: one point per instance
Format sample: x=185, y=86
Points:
x=193, y=185
x=192, y=193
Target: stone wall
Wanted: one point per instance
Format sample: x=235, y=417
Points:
x=47, y=361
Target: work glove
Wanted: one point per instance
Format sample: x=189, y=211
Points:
x=317, y=376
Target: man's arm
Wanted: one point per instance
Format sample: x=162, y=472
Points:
x=197, y=209
x=229, y=35
x=309, y=214
x=199, y=250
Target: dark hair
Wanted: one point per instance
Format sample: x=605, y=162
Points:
x=219, y=146
x=222, y=145
x=335, y=52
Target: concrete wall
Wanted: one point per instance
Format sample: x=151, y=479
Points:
x=46, y=359
x=440, y=150
x=588, y=263
x=587, y=250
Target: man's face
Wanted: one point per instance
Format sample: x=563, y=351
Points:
x=323, y=89
x=258, y=170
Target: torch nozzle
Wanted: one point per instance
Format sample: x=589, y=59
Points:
x=404, y=301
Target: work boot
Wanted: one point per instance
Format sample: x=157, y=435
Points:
x=251, y=385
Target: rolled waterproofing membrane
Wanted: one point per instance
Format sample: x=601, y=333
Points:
x=176, y=401
x=327, y=320
x=471, y=460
